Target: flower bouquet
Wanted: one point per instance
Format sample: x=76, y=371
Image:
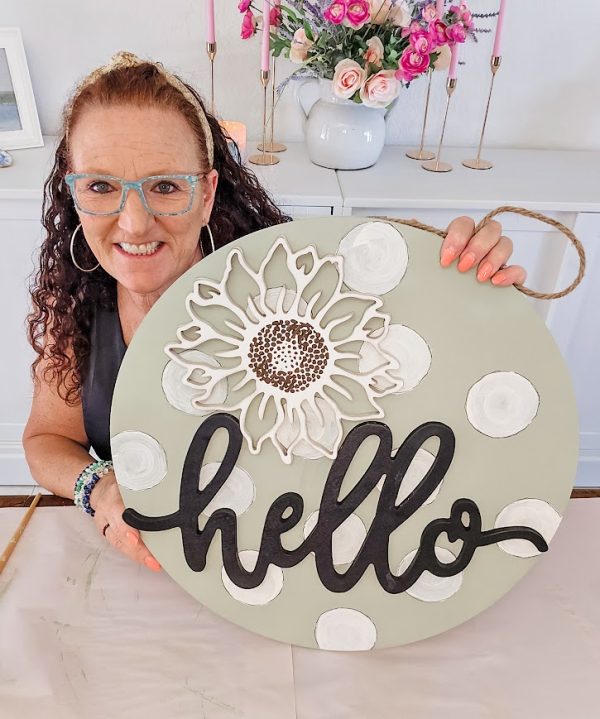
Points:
x=369, y=49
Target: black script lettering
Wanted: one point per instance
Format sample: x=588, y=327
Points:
x=332, y=512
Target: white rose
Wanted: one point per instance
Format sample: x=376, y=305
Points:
x=443, y=60
x=396, y=11
x=300, y=46
x=374, y=52
x=380, y=89
x=348, y=78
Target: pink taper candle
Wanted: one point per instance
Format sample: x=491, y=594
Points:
x=496, y=52
x=210, y=20
x=439, y=7
x=266, y=29
x=453, y=61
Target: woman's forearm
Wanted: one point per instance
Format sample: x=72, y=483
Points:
x=55, y=462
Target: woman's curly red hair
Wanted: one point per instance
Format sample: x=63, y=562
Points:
x=63, y=297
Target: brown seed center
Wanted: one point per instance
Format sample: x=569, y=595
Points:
x=288, y=354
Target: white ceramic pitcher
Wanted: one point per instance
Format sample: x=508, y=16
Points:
x=340, y=134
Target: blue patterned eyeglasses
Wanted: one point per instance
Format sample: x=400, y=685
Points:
x=106, y=195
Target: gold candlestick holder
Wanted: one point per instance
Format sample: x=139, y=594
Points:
x=211, y=51
x=273, y=146
x=477, y=163
x=265, y=158
x=422, y=154
x=436, y=165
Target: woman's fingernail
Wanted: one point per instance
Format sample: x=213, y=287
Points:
x=501, y=281
x=132, y=538
x=152, y=564
x=466, y=262
x=484, y=272
x=448, y=256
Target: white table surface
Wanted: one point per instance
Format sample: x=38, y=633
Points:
x=556, y=181
x=86, y=633
x=295, y=180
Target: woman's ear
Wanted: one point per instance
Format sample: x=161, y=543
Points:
x=210, y=190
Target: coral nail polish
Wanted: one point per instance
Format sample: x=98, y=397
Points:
x=466, y=262
x=484, y=272
x=152, y=564
x=448, y=256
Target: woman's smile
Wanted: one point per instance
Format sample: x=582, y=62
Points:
x=137, y=251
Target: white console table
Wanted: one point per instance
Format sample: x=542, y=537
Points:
x=563, y=185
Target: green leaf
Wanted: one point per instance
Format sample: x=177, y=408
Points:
x=308, y=31
x=290, y=13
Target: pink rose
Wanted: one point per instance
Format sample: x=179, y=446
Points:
x=396, y=12
x=423, y=41
x=244, y=5
x=348, y=78
x=336, y=12
x=438, y=31
x=414, y=26
x=463, y=14
x=300, y=46
x=358, y=12
x=374, y=52
x=466, y=19
x=248, y=25
x=380, y=89
x=429, y=13
x=456, y=33
x=275, y=17
x=411, y=64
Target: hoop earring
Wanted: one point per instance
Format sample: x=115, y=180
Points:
x=212, y=239
x=79, y=267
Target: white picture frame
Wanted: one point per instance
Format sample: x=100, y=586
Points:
x=19, y=122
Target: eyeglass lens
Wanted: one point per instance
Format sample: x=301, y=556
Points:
x=163, y=196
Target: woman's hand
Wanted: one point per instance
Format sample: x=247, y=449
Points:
x=108, y=505
x=488, y=250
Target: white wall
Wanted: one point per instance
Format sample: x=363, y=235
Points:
x=546, y=96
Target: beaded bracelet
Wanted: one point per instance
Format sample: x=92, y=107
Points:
x=87, y=481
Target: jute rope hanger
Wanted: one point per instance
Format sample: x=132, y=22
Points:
x=527, y=213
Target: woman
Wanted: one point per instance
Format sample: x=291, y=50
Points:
x=140, y=171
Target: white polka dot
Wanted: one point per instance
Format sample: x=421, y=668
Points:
x=429, y=587
x=346, y=540
x=375, y=257
x=263, y=594
x=408, y=348
x=180, y=395
x=345, y=630
x=534, y=513
x=237, y=493
x=139, y=460
x=502, y=404
x=416, y=471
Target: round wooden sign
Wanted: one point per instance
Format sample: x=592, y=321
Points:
x=330, y=440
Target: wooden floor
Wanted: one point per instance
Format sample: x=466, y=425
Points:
x=51, y=500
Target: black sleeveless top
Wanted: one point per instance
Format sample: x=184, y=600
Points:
x=107, y=349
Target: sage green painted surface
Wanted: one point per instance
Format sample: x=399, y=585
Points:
x=472, y=330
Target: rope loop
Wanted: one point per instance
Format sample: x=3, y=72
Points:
x=526, y=213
